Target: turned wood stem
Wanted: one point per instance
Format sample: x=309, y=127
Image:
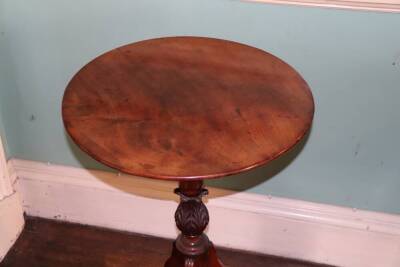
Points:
x=192, y=218
x=192, y=247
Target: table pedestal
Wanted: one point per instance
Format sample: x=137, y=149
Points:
x=192, y=247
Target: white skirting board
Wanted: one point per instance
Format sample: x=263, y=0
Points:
x=11, y=213
x=284, y=227
x=11, y=222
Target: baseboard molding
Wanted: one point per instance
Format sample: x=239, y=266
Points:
x=11, y=213
x=284, y=227
x=11, y=222
x=5, y=184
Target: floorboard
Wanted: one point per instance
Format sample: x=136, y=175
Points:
x=47, y=243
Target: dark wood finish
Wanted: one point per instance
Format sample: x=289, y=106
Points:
x=46, y=243
x=208, y=259
x=192, y=248
x=186, y=108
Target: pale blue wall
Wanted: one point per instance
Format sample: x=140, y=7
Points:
x=351, y=157
x=5, y=80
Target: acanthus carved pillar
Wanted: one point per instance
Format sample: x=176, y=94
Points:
x=192, y=247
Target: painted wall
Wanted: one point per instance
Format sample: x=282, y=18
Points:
x=350, y=60
x=8, y=91
x=3, y=90
x=2, y=82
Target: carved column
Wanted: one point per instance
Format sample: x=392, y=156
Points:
x=192, y=247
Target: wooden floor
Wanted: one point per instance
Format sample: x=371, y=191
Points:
x=46, y=243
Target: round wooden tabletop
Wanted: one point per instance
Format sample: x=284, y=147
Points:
x=185, y=108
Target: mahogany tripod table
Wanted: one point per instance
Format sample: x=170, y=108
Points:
x=187, y=109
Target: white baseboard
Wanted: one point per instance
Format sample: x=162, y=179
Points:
x=11, y=222
x=11, y=213
x=5, y=182
x=284, y=227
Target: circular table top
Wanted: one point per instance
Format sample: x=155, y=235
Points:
x=184, y=108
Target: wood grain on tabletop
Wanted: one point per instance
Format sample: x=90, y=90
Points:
x=185, y=108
